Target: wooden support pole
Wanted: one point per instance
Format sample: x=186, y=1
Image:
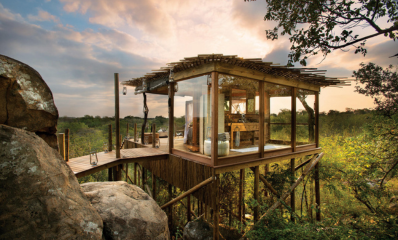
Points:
x=170, y=190
x=190, y=191
x=143, y=178
x=293, y=119
x=261, y=141
x=317, y=119
x=110, y=174
x=240, y=197
x=189, y=207
x=256, y=195
x=317, y=194
x=127, y=172
x=171, y=117
x=216, y=203
x=266, y=170
x=135, y=132
x=153, y=135
x=293, y=193
x=214, y=122
x=61, y=145
x=67, y=132
x=266, y=183
x=153, y=186
x=117, y=116
x=135, y=173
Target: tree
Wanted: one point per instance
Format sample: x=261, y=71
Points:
x=321, y=26
x=380, y=84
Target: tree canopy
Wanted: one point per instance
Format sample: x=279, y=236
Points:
x=321, y=26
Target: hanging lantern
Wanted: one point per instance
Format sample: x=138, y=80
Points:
x=209, y=79
x=237, y=139
x=93, y=159
x=124, y=90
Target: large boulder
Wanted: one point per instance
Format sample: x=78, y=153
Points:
x=199, y=229
x=127, y=211
x=26, y=101
x=40, y=198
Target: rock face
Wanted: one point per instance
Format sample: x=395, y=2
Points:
x=26, y=101
x=127, y=211
x=40, y=197
x=199, y=229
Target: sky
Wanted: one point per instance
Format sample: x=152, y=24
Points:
x=77, y=46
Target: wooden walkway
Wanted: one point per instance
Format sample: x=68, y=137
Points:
x=81, y=166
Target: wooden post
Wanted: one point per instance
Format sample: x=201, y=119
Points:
x=135, y=133
x=207, y=213
x=153, y=135
x=256, y=195
x=135, y=173
x=67, y=144
x=292, y=194
x=266, y=170
x=153, y=186
x=143, y=178
x=317, y=184
x=127, y=172
x=214, y=122
x=293, y=119
x=189, y=208
x=61, y=145
x=170, y=189
x=216, y=197
x=171, y=117
x=117, y=117
x=241, y=203
x=261, y=141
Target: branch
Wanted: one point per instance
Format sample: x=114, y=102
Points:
x=393, y=28
x=385, y=175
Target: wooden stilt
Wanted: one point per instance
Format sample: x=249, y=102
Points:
x=170, y=190
x=293, y=193
x=171, y=117
x=127, y=172
x=110, y=174
x=317, y=194
x=153, y=186
x=216, y=204
x=143, y=178
x=117, y=116
x=207, y=212
x=256, y=195
x=67, y=144
x=240, y=197
x=135, y=173
x=189, y=208
x=266, y=170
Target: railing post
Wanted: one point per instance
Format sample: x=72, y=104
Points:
x=61, y=145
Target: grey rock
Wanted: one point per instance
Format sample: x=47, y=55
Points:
x=199, y=229
x=26, y=101
x=40, y=197
x=127, y=211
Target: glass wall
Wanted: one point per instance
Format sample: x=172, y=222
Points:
x=278, y=113
x=192, y=114
x=305, y=114
x=238, y=117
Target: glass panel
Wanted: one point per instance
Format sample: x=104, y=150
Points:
x=240, y=120
x=305, y=105
x=192, y=115
x=278, y=113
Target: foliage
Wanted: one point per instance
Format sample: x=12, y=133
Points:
x=322, y=26
x=380, y=84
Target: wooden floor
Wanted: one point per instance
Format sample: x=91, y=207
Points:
x=81, y=166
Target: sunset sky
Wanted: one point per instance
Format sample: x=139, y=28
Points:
x=77, y=46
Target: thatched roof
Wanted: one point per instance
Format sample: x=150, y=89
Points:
x=308, y=75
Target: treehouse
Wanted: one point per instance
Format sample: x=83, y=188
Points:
x=236, y=110
x=226, y=114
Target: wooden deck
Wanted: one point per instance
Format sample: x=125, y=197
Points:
x=81, y=166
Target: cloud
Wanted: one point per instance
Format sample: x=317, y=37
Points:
x=43, y=16
x=79, y=73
